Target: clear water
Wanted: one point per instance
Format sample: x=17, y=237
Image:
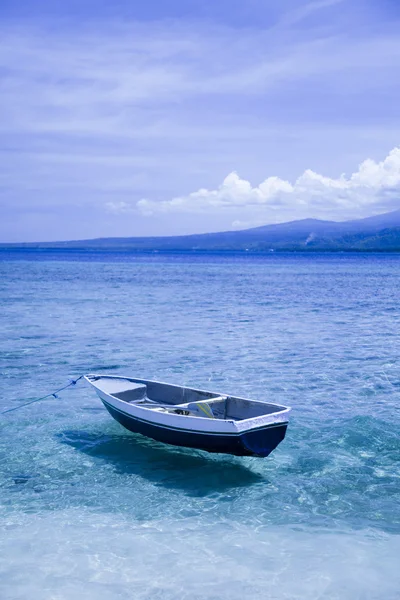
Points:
x=91, y=511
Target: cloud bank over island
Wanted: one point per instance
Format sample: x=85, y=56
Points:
x=374, y=187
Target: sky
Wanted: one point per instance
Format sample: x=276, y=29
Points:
x=165, y=118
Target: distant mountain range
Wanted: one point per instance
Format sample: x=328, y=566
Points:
x=378, y=233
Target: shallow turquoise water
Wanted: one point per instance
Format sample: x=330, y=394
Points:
x=89, y=510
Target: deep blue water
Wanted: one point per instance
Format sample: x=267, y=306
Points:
x=91, y=511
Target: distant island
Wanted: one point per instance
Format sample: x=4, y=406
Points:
x=375, y=234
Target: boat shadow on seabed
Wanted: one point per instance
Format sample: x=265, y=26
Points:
x=192, y=471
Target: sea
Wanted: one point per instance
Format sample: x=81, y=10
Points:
x=90, y=511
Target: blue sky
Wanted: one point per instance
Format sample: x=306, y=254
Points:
x=160, y=118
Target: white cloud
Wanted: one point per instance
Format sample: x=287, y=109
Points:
x=119, y=208
x=119, y=79
x=297, y=15
x=233, y=192
x=375, y=185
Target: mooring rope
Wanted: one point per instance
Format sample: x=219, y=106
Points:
x=54, y=394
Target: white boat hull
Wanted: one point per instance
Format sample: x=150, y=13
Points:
x=255, y=436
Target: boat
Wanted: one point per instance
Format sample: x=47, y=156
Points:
x=192, y=418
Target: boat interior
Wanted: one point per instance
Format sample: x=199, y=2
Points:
x=174, y=399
